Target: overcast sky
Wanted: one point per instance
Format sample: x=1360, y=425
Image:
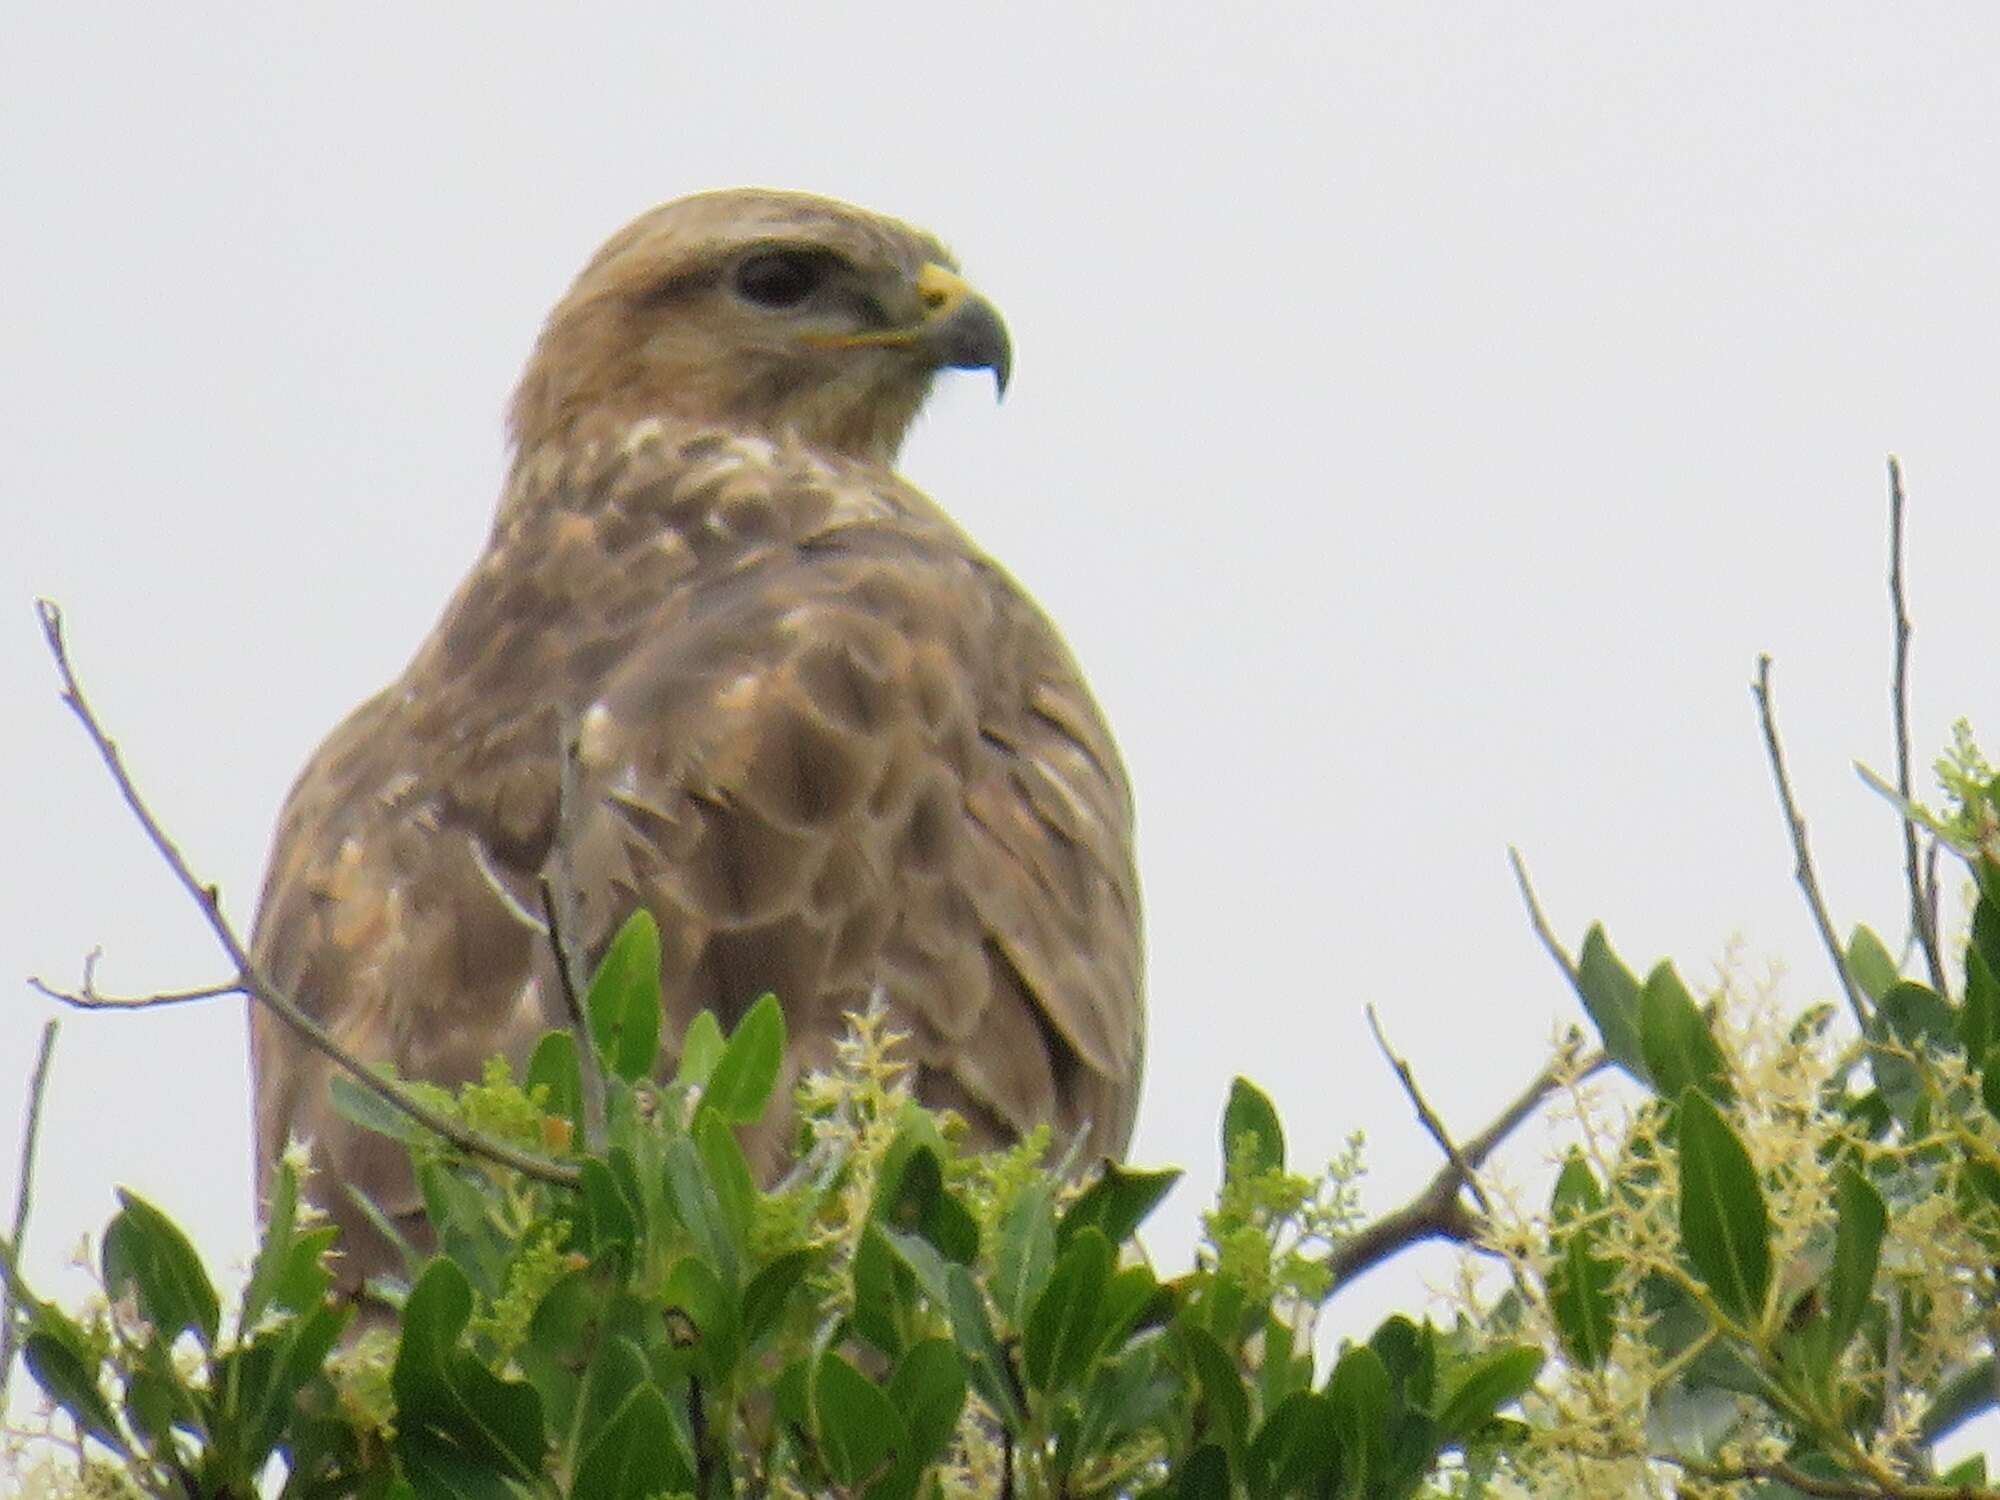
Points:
x=1423, y=415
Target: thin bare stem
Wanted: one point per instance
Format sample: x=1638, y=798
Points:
x=251, y=980
x=1438, y=1212
x=1795, y=823
x=1540, y=921
x=1885, y=1488
x=1923, y=914
x=10, y=1316
x=87, y=996
x=589, y=1067
x=1428, y=1117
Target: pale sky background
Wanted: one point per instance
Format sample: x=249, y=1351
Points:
x=1423, y=415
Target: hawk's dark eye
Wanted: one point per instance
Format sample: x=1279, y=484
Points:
x=780, y=278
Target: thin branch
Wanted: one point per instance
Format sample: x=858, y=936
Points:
x=10, y=1315
x=1826, y=1489
x=1540, y=921
x=87, y=996
x=252, y=980
x=1923, y=918
x=1437, y=1212
x=589, y=1067
x=1428, y=1117
x=1796, y=824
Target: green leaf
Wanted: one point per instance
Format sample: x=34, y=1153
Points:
x=1221, y=1383
x=1725, y=1227
x=609, y=1217
x=1857, y=1251
x=770, y=1289
x=694, y=1291
x=987, y=1365
x=1680, y=1050
x=1059, y=1338
x=746, y=1073
x=856, y=1425
x=882, y=1287
x=1296, y=1448
x=145, y=1251
x=1205, y=1475
x=1250, y=1124
x=624, y=1000
x=1358, y=1393
x=360, y=1105
x=1027, y=1251
x=60, y=1371
x=701, y=1050
x=457, y=1422
x=634, y=1456
x=554, y=1068
x=1116, y=1204
x=1869, y=962
x=696, y=1204
x=1580, y=1280
x=1611, y=997
x=1979, y=1016
x=928, y=1388
x=728, y=1174
x=1476, y=1391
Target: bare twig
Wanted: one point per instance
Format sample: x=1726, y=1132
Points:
x=10, y=1313
x=1428, y=1117
x=1543, y=931
x=251, y=980
x=1438, y=1212
x=1923, y=914
x=1796, y=825
x=87, y=996
x=1886, y=1488
x=589, y=1068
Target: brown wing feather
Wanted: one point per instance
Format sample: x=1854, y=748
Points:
x=826, y=743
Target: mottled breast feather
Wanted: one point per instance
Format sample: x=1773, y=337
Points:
x=829, y=745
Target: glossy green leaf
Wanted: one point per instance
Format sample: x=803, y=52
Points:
x=747, y=1072
x=1857, y=1251
x=929, y=1390
x=1357, y=1393
x=1025, y=1251
x=1251, y=1134
x=882, y=1284
x=1580, y=1279
x=1725, y=1227
x=1979, y=1016
x=856, y=1425
x=1297, y=1448
x=635, y=1455
x=770, y=1289
x=456, y=1418
x=624, y=1000
x=1674, y=1036
x=1116, y=1204
x=553, y=1068
x=609, y=1217
x=701, y=1050
x=1475, y=1392
x=696, y=1294
x=728, y=1173
x=1059, y=1338
x=986, y=1363
x=699, y=1208
x=1226, y=1401
x=1870, y=963
x=1204, y=1476
x=146, y=1253
x=60, y=1371
x=1611, y=998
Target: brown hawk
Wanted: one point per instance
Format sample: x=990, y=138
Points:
x=832, y=747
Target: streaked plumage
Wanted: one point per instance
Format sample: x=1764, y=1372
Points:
x=826, y=741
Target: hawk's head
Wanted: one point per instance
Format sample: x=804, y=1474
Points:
x=778, y=313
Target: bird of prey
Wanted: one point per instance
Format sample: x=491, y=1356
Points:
x=833, y=748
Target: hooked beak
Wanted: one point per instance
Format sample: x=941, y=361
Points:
x=959, y=329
